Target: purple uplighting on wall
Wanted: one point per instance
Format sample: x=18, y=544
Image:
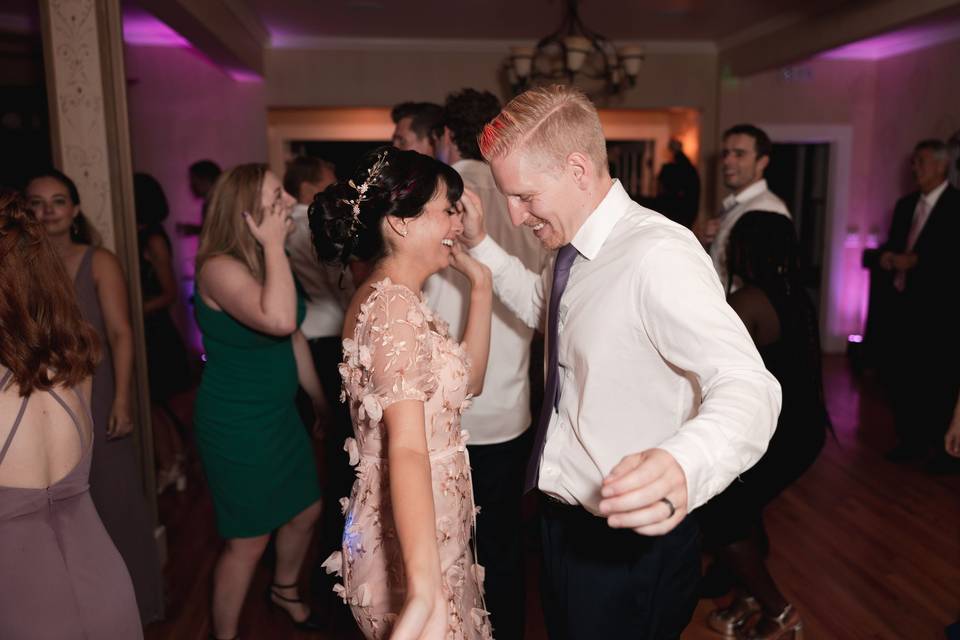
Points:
x=243, y=75
x=896, y=43
x=142, y=28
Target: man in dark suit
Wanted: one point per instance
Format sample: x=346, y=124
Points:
x=920, y=255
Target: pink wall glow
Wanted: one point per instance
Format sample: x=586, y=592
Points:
x=183, y=109
x=897, y=43
x=142, y=28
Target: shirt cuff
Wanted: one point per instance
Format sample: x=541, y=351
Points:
x=491, y=254
x=706, y=472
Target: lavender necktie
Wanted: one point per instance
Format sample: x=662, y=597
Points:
x=551, y=392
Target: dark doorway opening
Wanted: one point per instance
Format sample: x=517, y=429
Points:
x=799, y=174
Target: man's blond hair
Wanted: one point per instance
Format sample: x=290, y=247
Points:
x=547, y=124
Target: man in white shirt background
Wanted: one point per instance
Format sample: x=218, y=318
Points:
x=656, y=398
x=745, y=156
x=920, y=365
x=499, y=419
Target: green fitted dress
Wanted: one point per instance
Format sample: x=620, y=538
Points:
x=256, y=454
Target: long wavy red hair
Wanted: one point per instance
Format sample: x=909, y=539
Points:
x=44, y=340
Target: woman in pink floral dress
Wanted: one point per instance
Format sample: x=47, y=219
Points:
x=407, y=566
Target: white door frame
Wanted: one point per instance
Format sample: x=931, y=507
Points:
x=842, y=293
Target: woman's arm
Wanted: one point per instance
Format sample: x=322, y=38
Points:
x=411, y=494
x=157, y=253
x=112, y=296
x=307, y=376
x=270, y=307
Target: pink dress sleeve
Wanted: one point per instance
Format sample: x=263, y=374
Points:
x=398, y=339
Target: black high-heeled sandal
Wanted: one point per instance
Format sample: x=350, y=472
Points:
x=310, y=623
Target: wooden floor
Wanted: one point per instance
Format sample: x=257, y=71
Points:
x=864, y=548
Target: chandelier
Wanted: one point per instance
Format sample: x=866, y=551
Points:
x=571, y=53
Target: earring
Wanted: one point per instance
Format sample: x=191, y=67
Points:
x=398, y=229
x=75, y=226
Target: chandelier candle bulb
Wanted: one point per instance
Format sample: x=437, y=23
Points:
x=631, y=57
x=522, y=58
x=577, y=48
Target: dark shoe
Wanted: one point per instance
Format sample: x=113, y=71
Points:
x=310, y=623
x=903, y=453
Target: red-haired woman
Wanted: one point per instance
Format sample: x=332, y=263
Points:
x=62, y=576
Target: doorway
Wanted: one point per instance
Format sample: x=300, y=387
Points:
x=799, y=173
x=843, y=288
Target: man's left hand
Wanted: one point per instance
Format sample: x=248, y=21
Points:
x=634, y=491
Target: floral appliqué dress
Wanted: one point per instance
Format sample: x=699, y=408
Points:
x=400, y=351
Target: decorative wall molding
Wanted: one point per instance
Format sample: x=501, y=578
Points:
x=76, y=90
x=90, y=135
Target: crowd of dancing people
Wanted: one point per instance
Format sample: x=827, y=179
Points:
x=395, y=311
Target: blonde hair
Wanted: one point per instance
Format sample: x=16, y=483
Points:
x=224, y=230
x=547, y=124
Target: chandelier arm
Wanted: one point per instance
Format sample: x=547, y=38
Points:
x=600, y=43
x=564, y=28
x=572, y=19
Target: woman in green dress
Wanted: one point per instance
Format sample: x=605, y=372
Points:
x=256, y=454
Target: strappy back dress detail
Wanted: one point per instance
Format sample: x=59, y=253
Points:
x=63, y=576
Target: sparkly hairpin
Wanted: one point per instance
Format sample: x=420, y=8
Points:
x=373, y=176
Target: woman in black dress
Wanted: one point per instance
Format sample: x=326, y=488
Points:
x=782, y=320
x=168, y=368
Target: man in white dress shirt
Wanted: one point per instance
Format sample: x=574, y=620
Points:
x=745, y=154
x=499, y=419
x=656, y=398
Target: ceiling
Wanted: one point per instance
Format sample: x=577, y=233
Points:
x=701, y=20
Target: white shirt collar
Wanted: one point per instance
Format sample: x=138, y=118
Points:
x=934, y=195
x=299, y=211
x=598, y=225
x=465, y=163
x=749, y=193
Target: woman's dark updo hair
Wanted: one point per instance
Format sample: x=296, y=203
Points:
x=763, y=252
x=401, y=188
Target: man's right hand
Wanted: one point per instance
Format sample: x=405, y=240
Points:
x=473, y=229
